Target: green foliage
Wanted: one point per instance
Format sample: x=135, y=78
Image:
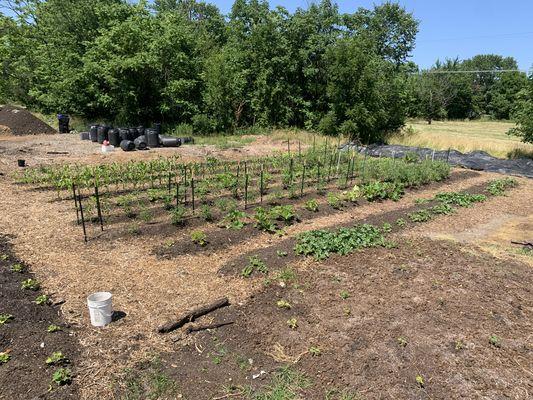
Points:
x=62, y=376
x=53, y=328
x=4, y=357
x=284, y=386
x=420, y=216
x=264, y=220
x=311, y=205
x=382, y=190
x=178, y=215
x=444, y=209
x=5, y=318
x=461, y=199
x=334, y=201
x=199, y=237
x=30, y=284
x=42, y=299
x=17, y=268
x=234, y=220
x=254, y=264
x=498, y=187
x=321, y=243
x=56, y=358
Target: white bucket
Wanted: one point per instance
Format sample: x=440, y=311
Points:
x=100, y=308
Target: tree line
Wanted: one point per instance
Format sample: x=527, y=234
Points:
x=182, y=61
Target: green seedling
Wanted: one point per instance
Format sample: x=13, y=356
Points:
x=495, y=341
x=4, y=357
x=42, y=300
x=17, y=268
x=315, y=351
x=178, y=216
x=292, y=323
x=199, y=237
x=5, y=318
x=344, y=294
x=386, y=228
x=53, y=328
x=62, y=376
x=30, y=284
x=284, y=304
x=286, y=274
x=334, y=201
x=254, y=264
x=282, y=253
x=401, y=222
x=4, y=257
x=420, y=381
x=422, y=201
x=402, y=341
x=459, y=345
x=442, y=209
x=56, y=358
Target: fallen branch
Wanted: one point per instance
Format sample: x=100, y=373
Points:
x=525, y=244
x=198, y=328
x=192, y=315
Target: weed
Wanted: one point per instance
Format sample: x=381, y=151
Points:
x=5, y=318
x=315, y=351
x=402, y=341
x=17, y=268
x=498, y=187
x=344, y=295
x=311, y=205
x=495, y=341
x=283, y=304
x=401, y=222
x=420, y=381
x=199, y=237
x=281, y=253
x=234, y=220
x=30, y=284
x=178, y=215
x=42, y=299
x=420, y=216
x=292, y=323
x=53, y=328
x=62, y=376
x=57, y=358
x=287, y=274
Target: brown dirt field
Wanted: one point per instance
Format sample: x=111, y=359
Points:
x=482, y=294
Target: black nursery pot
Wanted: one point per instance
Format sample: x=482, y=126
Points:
x=21, y=163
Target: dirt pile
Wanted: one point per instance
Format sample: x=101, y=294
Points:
x=18, y=121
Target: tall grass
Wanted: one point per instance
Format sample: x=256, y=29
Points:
x=465, y=136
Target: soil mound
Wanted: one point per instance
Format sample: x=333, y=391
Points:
x=19, y=121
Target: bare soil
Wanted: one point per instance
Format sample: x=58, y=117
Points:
x=25, y=337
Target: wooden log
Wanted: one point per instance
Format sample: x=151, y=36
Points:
x=192, y=315
x=199, y=328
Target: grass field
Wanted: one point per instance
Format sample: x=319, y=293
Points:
x=465, y=136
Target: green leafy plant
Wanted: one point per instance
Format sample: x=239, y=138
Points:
x=311, y=205
x=420, y=381
x=17, y=268
x=4, y=357
x=460, y=199
x=62, y=376
x=254, y=264
x=386, y=227
x=42, y=299
x=53, y=328
x=283, y=213
x=442, y=209
x=401, y=222
x=315, y=351
x=420, y=216
x=495, y=341
x=281, y=253
x=178, y=216
x=344, y=294
x=234, y=220
x=334, y=201
x=57, y=358
x=498, y=187
x=264, y=220
x=30, y=284
x=206, y=214
x=286, y=274
x=283, y=304
x=292, y=323
x=402, y=341
x=199, y=237
x=353, y=195
x=378, y=190
x=5, y=318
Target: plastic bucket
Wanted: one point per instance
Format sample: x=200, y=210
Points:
x=100, y=308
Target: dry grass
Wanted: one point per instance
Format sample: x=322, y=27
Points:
x=465, y=136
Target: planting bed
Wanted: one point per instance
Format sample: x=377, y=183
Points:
x=26, y=337
x=339, y=286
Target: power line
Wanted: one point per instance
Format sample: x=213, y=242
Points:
x=495, y=71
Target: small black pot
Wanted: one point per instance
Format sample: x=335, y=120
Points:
x=21, y=163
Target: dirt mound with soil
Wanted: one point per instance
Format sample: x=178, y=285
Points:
x=18, y=121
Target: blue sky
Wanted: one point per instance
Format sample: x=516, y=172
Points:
x=455, y=28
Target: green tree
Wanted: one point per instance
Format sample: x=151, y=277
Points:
x=523, y=113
